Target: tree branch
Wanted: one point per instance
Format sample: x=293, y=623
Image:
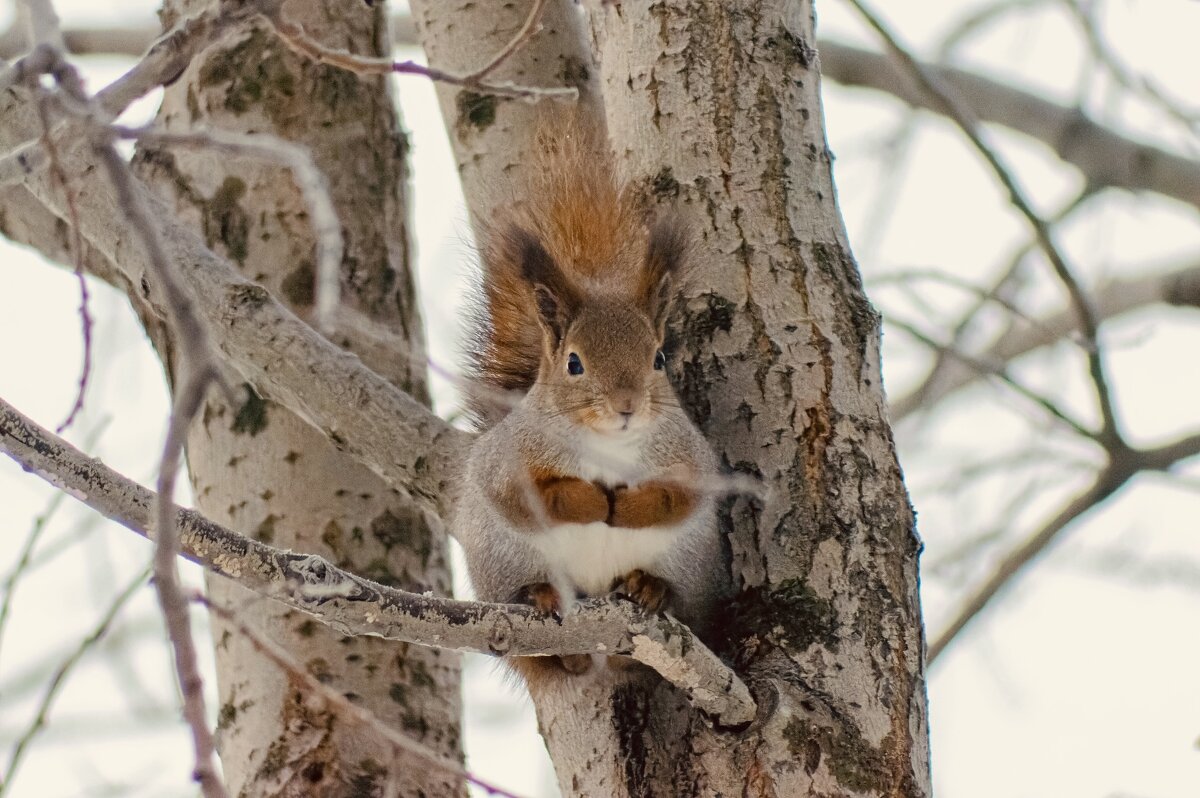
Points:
x=1103, y=156
x=1179, y=287
x=356, y=606
x=282, y=356
x=1118, y=472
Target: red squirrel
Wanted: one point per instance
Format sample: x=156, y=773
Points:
x=589, y=476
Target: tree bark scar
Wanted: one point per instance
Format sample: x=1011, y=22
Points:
x=631, y=719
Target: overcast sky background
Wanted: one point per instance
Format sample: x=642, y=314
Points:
x=1081, y=682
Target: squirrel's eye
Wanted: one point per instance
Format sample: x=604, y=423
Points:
x=574, y=365
x=660, y=360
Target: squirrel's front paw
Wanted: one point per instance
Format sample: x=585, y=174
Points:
x=642, y=588
x=569, y=500
x=651, y=504
x=542, y=596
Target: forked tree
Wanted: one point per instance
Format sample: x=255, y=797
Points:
x=323, y=444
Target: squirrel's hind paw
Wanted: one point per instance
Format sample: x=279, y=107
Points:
x=644, y=589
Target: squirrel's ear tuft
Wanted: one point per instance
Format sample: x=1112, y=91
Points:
x=666, y=252
x=555, y=297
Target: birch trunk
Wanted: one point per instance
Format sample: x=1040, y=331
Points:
x=713, y=106
x=261, y=470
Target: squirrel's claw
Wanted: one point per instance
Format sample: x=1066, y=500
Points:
x=646, y=590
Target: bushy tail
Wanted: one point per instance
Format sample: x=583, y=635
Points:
x=572, y=203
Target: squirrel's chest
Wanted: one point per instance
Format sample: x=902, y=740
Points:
x=610, y=459
x=593, y=555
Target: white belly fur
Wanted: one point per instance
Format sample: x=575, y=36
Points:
x=593, y=555
x=613, y=458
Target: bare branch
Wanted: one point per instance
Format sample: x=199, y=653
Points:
x=197, y=363
x=356, y=606
x=43, y=24
x=76, y=252
x=370, y=418
x=997, y=369
x=1125, y=76
x=1103, y=156
x=1118, y=472
x=24, y=558
x=312, y=183
x=528, y=30
x=1179, y=287
x=1110, y=432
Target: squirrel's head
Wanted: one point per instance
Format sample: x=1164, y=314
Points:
x=602, y=362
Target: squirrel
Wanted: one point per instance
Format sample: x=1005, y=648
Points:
x=588, y=477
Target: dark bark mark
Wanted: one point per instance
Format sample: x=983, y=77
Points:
x=251, y=416
x=476, y=113
x=631, y=718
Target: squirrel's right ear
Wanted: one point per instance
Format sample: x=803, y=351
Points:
x=556, y=299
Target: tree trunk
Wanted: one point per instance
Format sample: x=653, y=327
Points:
x=261, y=470
x=713, y=107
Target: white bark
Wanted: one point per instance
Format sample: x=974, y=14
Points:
x=270, y=474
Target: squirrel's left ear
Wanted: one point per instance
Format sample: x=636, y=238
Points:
x=666, y=252
x=556, y=299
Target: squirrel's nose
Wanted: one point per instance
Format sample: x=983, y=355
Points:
x=624, y=402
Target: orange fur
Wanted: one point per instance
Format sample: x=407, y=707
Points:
x=651, y=504
x=564, y=500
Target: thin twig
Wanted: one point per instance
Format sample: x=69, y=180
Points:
x=1103, y=487
x=296, y=38
x=1122, y=74
x=42, y=24
x=999, y=371
x=1118, y=472
x=60, y=676
x=929, y=390
x=197, y=367
x=1103, y=156
x=76, y=249
x=23, y=561
x=977, y=19
x=1110, y=432
x=529, y=29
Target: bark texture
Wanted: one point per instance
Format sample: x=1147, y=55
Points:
x=713, y=106
x=490, y=134
x=263, y=471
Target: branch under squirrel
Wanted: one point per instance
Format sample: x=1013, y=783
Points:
x=358, y=606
